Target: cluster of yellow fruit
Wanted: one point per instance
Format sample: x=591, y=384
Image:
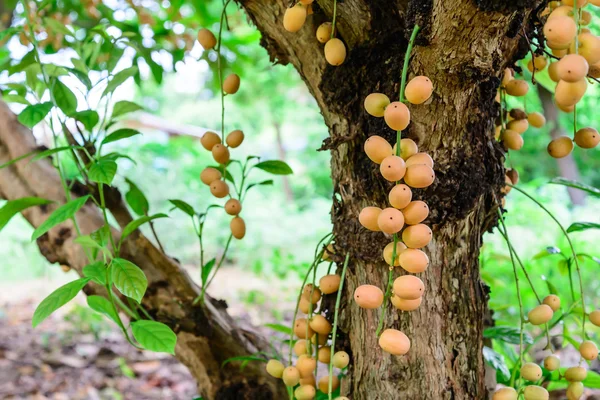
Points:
x=294, y=19
x=220, y=151
x=532, y=372
x=312, y=345
x=405, y=216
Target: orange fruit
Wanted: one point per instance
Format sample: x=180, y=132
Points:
x=324, y=32
x=416, y=212
x=400, y=196
x=368, y=218
x=419, y=176
x=238, y=228
x=368, y=296
x=231, y=84
x=390, y=220
x=294, y=18
x=587, y=138
x=560, y=147
x=375, y=104
x=392, y=168
x=377, y=149
x=335, y=52
x=397, y=116
x=234, y=138
x=209, y=140
x=207, y=39
x=418, y=90
x=408, y=287
x=413, y=260
x=209, y=175
x=394, y=342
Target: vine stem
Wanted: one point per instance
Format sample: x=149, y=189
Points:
x=411, y=43
x=203, y=293
x=388, y=290
x=334, y=18
x=335, y=325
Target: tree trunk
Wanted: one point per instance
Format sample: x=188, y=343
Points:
x=206, y=335
x=463, y=47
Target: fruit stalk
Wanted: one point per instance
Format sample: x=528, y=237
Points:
x=335, y=324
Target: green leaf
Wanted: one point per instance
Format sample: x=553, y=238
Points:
x=82, y=76
x=582, y=226
x=275, y=167
x=89, y=118
x=57, y=27
x=119, y=79
x=222, y=169
x=102, y=171
x=506, y=334
x=125, y=107
x=206, y=270
x=49, y=152
x=263, y=183
x=96, y=271
x=34, y=114
x=57, y=299
x=136, y=199
x=60, y=215
x=64, y=97
x=496, y=361
x=87, y=241
x=577, y=185
x=13, y=207
x=548, y=251
x=128, y=278
x=280, y=328
x=103, y=306
x=10, y=32
x=119, y=135
x=133, y=225
x=55, y=70
x=154, y=336
x=183, y=206
x=15, y=98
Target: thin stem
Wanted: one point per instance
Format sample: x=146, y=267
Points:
x=388, y=290
x=335, y=325
x=334, y=18
x=310, y=310
x=104, y=213
x=156, y=237
x=411, y=43
x=223, y=256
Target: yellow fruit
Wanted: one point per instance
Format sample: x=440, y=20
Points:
x=575, y=390
x=418, y=90
x=416, y=212
x=569, y=93
x=319, y=340
x=368, y=218
x=220, y=153
x=553, y=72
x=414, y=261
x=575, y=374
x=404, y=304
x=595, y=317
x=233, y=207
x=512, y=140
x=408, y=148
x=209, y=175
x=275, y=368
x=209, y=140
x=394, y=342
x=341, y=359
x=572, y=68
x=540, y=314
x=335, y=52
x=309, y=380
x=595, y=70
x=519, y=126
x=291, y=376
x=231, y=84
x=419, y=176
x=531, y=372
x=392, y=168
x=397, y=116
x=553, y=301
x=587, y=138
x=507, y=76
x=219, y=189
x=311, y=294
x=535, y=393
x=566, y=109
x=589, y=47
x=586, y=17
x=300, y=347
x=207, y=39
x=513, y=175
x=560, y=30
x=300, y=328
x=389, y=250
x=234, y=138
x=294, y=18
x=329, y=284
x=324, y=383
x=506, y=393
x=238, y=228
x=306, y=365
x=390, y=220
x=377, y=149
x=561, y=11
x=517, y=87
x=417, y=236
x=368, y=296
x=319, y=324
x=375, y=104
x=324, y=354
x=560, y=147
x=305, y=392
x=420, y=158
x=324, y=32
x=580, y=3
x=536, y=119
x=552, y=363
x=408, y=287
x=304, y=306
x=588, y=350
x=400, y=196
x=538, y=63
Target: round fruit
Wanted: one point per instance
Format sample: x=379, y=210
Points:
x=531, y=372
x=375, y=104
x=394, y=342
x=377, y=149
x=335, y=52
x=209, y=175
x=575, y=390
x=408, y=148
x=207, y=39
x=329, y=284
x=404, y=304
x=536, y=119
x=534, y=392
x=506, y=393
x=420, y=158
x=305, y=392
x=368, y=218
x=238, y=228
x=304, y=306
x=418, y=90
x=234, y=138
x=553, y=301
x=587, y=138
x=275, y=368
x=301, y=329
x=513, y=175
x=414, y=261
x=538, y=63
x=519, y=126
x=417, y=236
x=309, y=380
x=324, y=383
x=319, y=324
x=572, y=68
x=517, y=87
x=306, y=365
x=595, y=70
x=291, y=376
x=560, y=147
x=220, y=153
x=588, y=350
x=408, y=287
x=507, y=76
x=512, y=140
x=313, y=295
x=397, y=116
x=416, y=212
x=233, y=207
x=231, y=84
x=341, y=359
x=540, y=314
x=300, y=347
x=209, y=140
x=324, y=354
x=327, y=252
x=517, y=113
x=400, y=196
x=294, y=18
x=589, y=47
x=419, y=176
x=565, y=109
x=560, y=30
x=595, y=317
x=219, y=189
x=389, y=250
x=575, y=374
x=553, y=72
x=570, y=93
x=390, y=220
x=368, y=296
x=319, y=340
x=392, y=168
x=552, y=363
x=324, y=32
